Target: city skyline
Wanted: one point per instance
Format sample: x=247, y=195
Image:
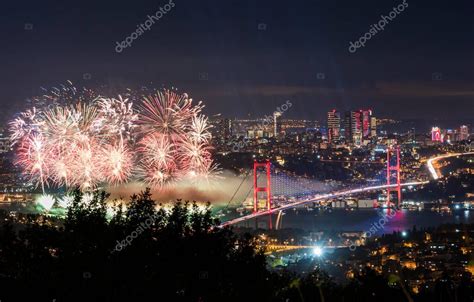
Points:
x=237, y=150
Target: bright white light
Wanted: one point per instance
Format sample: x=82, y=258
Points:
x=317, y=251
x=46, y=201
x=87, y=198
x=404, y=234
x=65, y=201
x=110, y=211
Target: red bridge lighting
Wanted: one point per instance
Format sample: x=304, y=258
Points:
x=266, y=189
x=391, y=151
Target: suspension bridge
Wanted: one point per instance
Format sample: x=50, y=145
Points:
x=304, y=192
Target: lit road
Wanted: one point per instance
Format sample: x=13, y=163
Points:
x=430, y=162
x=332, y=195
x=282, y=247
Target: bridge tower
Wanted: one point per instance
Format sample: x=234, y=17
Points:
x=393, y=151
x=266, y=189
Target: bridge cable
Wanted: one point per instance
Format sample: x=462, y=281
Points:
x=238, y=188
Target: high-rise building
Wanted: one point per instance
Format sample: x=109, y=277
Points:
x=334, y=125
x=227, y=128
x=359, y=125
x=366, y=115
x=373, y=127
x=221, y=129
x=463, y=133
x=356, y=127
x=348, y=126
x=277, y=124
x=436, y=134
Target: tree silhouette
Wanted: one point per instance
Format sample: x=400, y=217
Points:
x=147, y=251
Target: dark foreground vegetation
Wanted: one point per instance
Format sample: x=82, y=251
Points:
x=145, y=254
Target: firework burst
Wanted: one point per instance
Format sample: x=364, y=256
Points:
x=118, y=161
x=76, y=138
x=176, y=138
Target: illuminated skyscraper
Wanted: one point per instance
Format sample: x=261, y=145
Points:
x=348, y=126
x=221, y=128
x=359, y=125
x=366, y=115
x=436, y=134
x=463, y=133
x=277, y=124
x=357, y=128
x=373, y=127
x=334, y=125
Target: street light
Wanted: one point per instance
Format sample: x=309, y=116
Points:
x=317, y=251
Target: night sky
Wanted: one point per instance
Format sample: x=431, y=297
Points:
x=250, y=56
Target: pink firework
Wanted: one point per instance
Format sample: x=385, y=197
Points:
x=117, y=117
x=77, y=139
x=160, y=176
x=199, y=130
x=176, y=137
x=74, y=144
x=116, y=163
x=157, y=149
x=167, y=113
x=195, y=156
x=32, y=156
